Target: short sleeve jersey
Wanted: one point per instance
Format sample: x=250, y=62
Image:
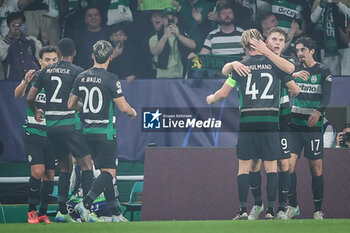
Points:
x=57, y=80
x=97, y=88
x=259, y=94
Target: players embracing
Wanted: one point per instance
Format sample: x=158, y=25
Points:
x=258, y=134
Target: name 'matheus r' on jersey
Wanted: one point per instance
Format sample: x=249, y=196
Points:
x=57, y=80
x=315, y=94
x=31, y=125
x=97, y=88
x=259, y=94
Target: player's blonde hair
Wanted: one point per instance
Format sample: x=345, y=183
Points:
x=249, y=34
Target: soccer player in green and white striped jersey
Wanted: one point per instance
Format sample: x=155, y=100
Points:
x=259, y=119
x=276, y=41
x=62, y=124
x=37, y=148
x=307, y=121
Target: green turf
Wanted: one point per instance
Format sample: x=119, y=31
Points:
x=270, y=226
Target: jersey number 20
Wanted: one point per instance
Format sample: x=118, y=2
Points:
x=88, y=101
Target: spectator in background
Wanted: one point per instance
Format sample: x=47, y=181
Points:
x=193, y=15
x=345, y=53
x=147, y=24
x=40, y=23
x=170, y=47
x=257, y=8
x=7, y=6
x=87, y=36
x=266, y=22
x=71, y=16
x=226, y=40
x=18, y=53
x=343, y=137
x=241, y=12
x=287, y=11
x=124, y=53
x=331, y=39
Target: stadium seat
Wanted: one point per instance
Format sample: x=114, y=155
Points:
x=135, y=200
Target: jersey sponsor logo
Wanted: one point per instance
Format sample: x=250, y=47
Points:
x=310, y=88
x=40, y=98
x=287, y=11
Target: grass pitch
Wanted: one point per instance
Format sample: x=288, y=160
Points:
x=260, y=226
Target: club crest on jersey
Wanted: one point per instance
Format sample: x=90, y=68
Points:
x=313, y=79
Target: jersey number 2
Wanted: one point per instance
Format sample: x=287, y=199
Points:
x=54, y=98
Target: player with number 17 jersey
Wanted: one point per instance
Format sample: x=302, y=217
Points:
x=97, y=88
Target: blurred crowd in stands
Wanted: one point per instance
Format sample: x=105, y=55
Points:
x=154, y=40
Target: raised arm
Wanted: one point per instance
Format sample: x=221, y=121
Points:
x=156, y=47
x=280, y=62
x=21, y=88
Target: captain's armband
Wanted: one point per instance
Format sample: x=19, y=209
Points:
x=231, y=82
